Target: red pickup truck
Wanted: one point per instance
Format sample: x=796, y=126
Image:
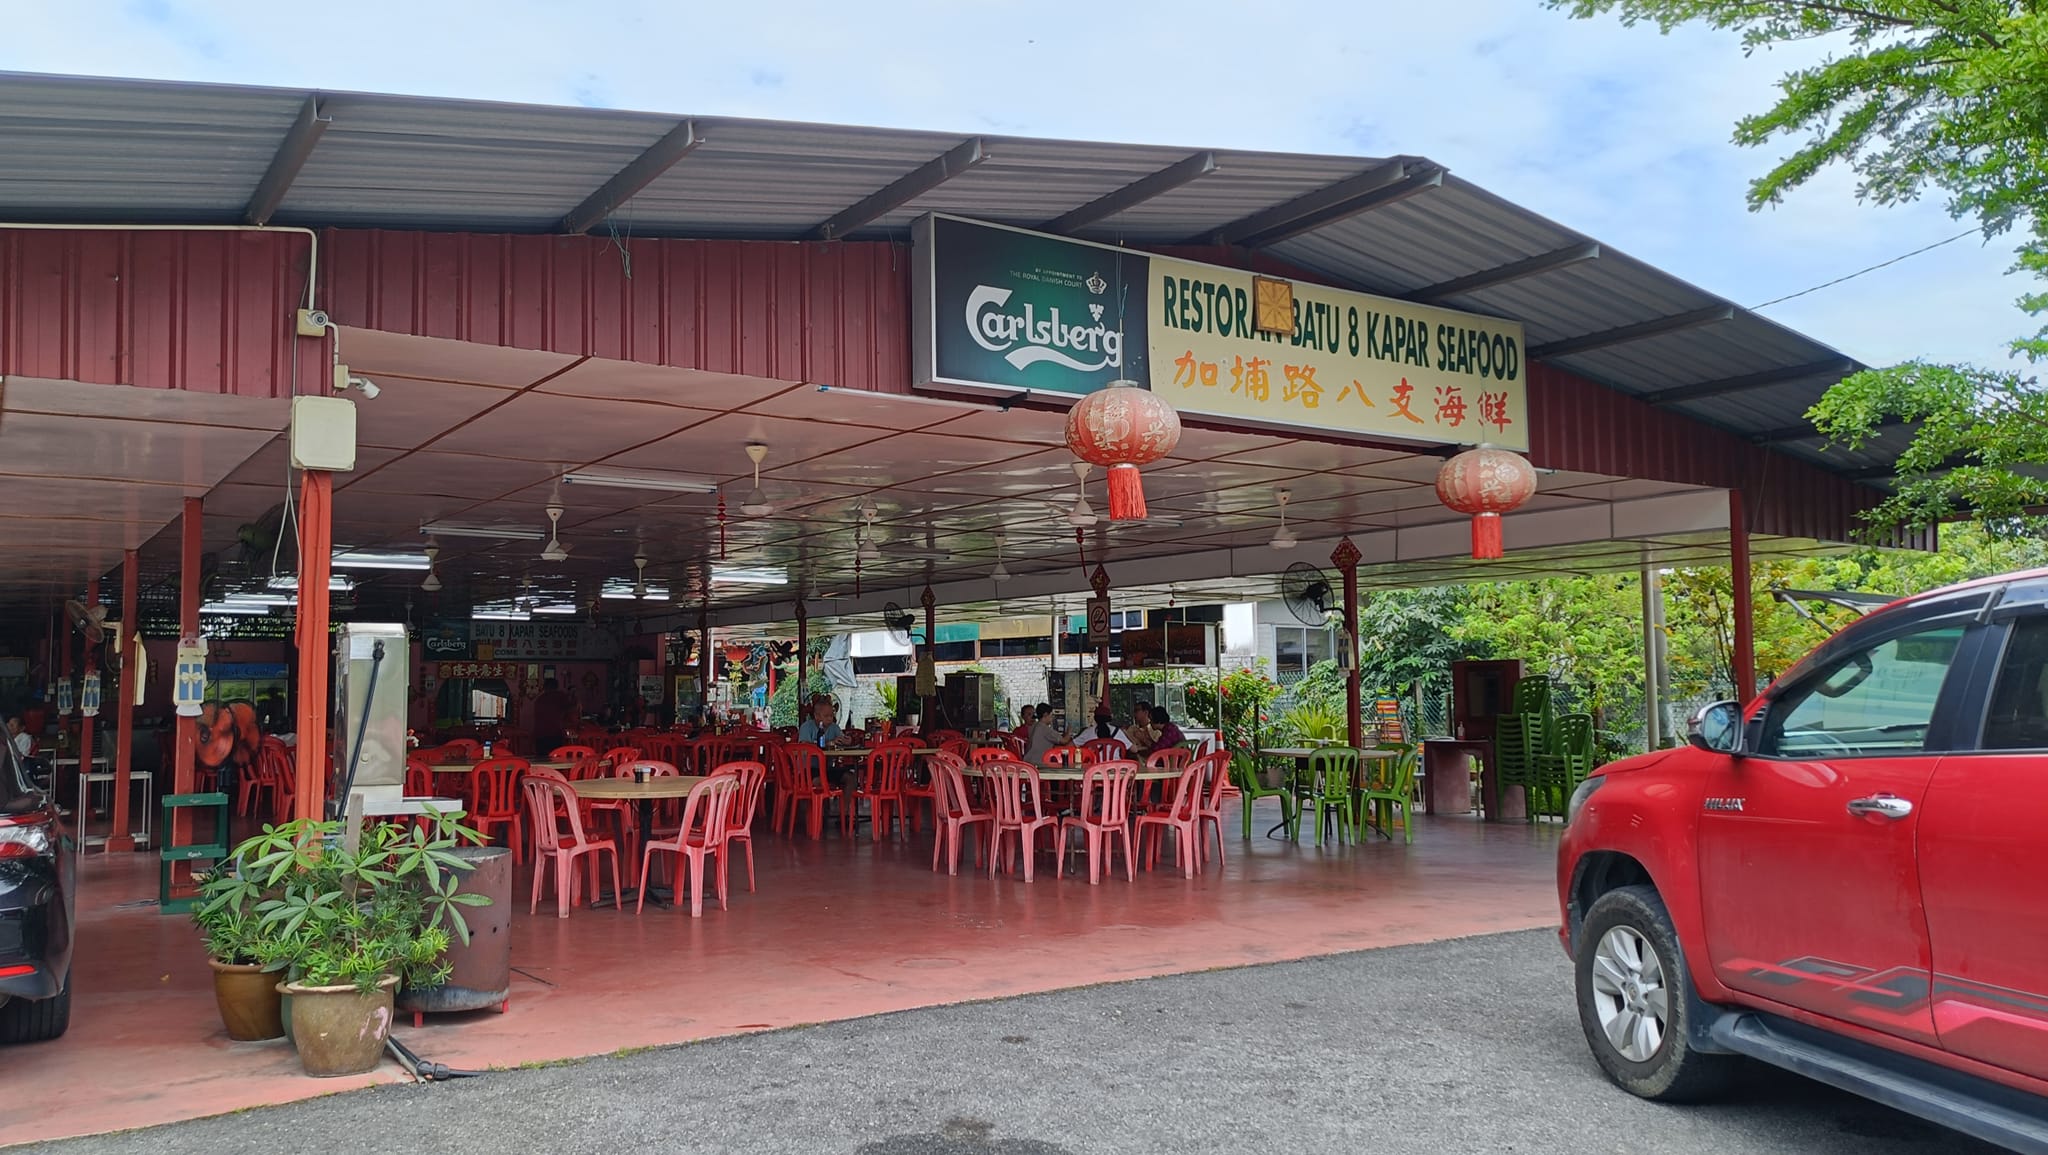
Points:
x=1847, y=879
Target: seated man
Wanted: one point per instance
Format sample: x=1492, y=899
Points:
x=822, y=727
x=1043, y=736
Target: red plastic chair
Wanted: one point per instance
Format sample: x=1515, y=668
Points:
x=1016, y=744
x=1064, y=758
x=809, y=786
x=1019, y=809
x=1105, y=750
x=1171, y=758
x=954, y=812
x=987, y=754
x=1181, y=816
x=1105, y=814
x=419, y=779
x=620, y=755
x=461, y=750
x=496, y=786
x=550, y=804
x=701, y=835
x=917, y=795
x=1216, y=789
x=571, y=754
x=739, y=824
x=881, y=785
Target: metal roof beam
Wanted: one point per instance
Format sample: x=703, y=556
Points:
x=1394, y=181
x=1135, y=193
x=285, y=164
x=1699, y=391
x=1534, y=266
x=919, y=181
x=1640, y=331
x=1955, y=460
x=661, y=156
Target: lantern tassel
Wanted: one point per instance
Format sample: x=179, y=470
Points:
x=1126, y=493
x=1486, y=543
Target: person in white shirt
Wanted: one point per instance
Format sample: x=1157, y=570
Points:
x=24, y=742
x=1105, y=727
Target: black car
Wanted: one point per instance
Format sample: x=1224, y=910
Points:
x=38, y=889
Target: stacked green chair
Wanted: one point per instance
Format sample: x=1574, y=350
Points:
x=1389, y=788
x=1560, y=770
x=1326, y=790
x=1521, y=737
x=1244, y=771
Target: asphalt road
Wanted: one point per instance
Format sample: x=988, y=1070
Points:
x=1466, y=1046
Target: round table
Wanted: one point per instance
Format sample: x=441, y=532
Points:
x=643, y=793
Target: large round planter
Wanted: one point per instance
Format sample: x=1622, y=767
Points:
x=340, y=1030
x=248, y=1000
x=480, y=975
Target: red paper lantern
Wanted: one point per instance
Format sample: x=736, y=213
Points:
x=1485, y=483
x=1122, y=427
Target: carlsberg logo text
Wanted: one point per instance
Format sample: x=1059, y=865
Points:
x=1026, y=338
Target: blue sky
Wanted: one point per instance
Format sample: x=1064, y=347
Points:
x=1620, y=133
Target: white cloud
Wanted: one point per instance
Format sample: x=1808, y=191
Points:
x=1620, y=133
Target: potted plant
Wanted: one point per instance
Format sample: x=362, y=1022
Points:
x=348, y=925
x=244, y=982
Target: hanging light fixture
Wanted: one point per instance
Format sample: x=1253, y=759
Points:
x=756, y=504
x=1001, y=572
x=1083, y=514
x=555, y=550
x=1283, y=538
x=640, y=569
x=868, y=550
x=432, y=583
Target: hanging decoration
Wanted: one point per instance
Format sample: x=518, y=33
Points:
x=721, y=525
x=1485, y=483
x=189, y=681
x=89, y=695
x=64, y=697
x=1122, y=427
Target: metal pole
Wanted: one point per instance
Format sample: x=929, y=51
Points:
x=132, y=674
x=316, y=533
x=1346, y=558
x=86, y=721
x=1744, y=658
x=1653, y=702
x=182, y=773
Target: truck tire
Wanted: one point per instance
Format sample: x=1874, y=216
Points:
x=36, y=1020
x=1636, y=1001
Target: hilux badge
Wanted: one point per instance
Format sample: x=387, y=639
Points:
x=1727, y=804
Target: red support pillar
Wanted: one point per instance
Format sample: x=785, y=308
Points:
x=704, y=659
x=133, y=673
x=1744, y=659
x=316, y=533
x=85, y=721
x=803, y=655
x=1346, y=557
x=183, y=773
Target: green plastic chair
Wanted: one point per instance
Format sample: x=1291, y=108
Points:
x=1389, y=786
x=1559, y=772
x=1244, y=772
x=1326, y=789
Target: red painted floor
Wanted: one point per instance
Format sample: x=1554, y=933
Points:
x=835, y=931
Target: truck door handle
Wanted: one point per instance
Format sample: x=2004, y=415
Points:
x=1882, y=805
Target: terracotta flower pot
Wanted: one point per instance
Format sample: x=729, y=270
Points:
x=248, y=1000
x=340, y=1030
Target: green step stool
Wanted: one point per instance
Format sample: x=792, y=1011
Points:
x=195, y=852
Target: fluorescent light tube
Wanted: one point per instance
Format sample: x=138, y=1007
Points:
x=619, y=480
x=504, y=532
x=377, y=559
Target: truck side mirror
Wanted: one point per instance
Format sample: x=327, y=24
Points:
x=1717, y=728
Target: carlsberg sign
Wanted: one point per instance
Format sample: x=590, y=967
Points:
x=1009, y=311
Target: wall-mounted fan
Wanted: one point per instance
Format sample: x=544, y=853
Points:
x=899, y=622
x=1308, y=594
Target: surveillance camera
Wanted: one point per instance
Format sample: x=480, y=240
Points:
x=367, y=387
x=317, y=318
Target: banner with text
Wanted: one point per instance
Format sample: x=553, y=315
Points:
x=538, y=641
x=1006, y=310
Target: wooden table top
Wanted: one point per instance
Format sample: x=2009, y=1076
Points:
x=665, y=786
x=470, y=767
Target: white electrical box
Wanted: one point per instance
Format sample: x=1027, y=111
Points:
x=372, y=686
x=324, y=433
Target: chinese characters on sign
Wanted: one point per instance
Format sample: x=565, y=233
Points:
x=536, y=641
x=501, y=670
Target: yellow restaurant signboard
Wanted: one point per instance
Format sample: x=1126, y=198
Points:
x=1354, y=363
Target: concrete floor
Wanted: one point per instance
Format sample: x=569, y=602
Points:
x=1467, y=1046
x=837, y=930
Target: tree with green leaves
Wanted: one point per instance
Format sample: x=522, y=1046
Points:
x=1926, y=96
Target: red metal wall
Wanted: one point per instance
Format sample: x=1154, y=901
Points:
x=204, y=311
x=833, y=314
x=211, y=311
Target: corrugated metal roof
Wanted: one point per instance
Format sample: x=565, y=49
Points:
x=99, y=150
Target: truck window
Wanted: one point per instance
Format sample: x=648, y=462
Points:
x=2018, y=719
x=1871, y=703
